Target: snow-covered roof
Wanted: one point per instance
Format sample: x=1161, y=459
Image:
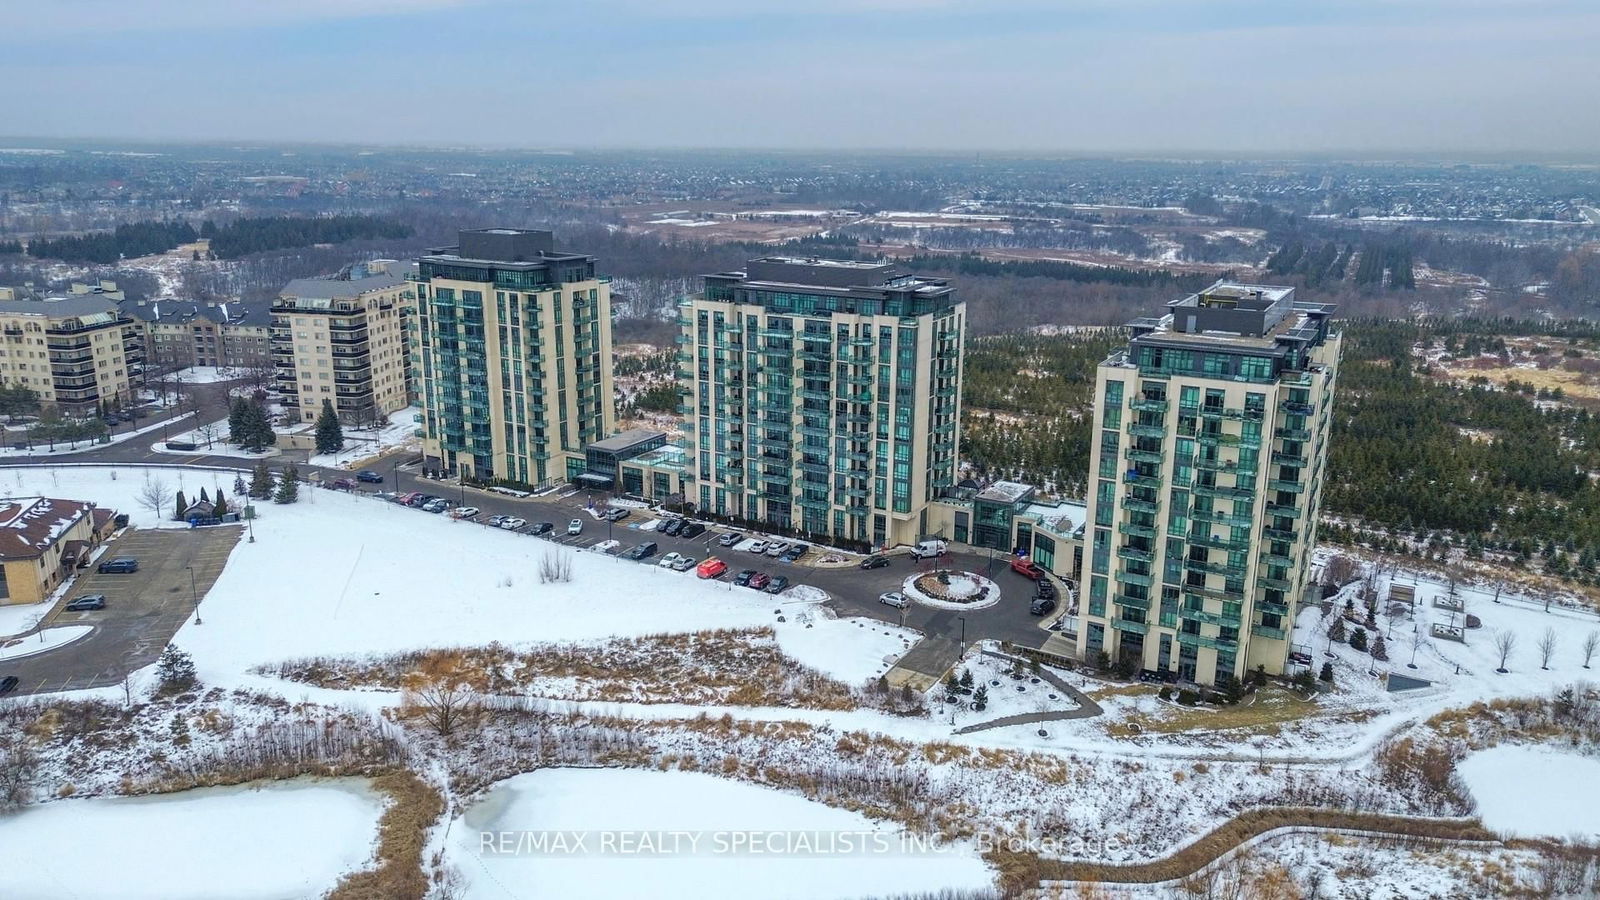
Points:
x=29, y=525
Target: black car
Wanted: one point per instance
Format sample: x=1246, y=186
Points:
x=1044, y=589
x=367, y=476
x=692, y=529
x=793, y=554
x=8, y=684
x=542, y=528
x=643, y=551
x=874, y=562
x=86, y=603
x=744, y=576
x=1042, y=606
x=671, y=527
x=777, y=584
x=122, y=565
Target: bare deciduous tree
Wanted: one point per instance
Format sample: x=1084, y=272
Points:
x=442, y=692
x=208, y=433
x=556, y=566
x=1547, y=647
x=1339, y=571
x=18, y=762
x=1590, y=645
x=1505, y=641
x=155, y=494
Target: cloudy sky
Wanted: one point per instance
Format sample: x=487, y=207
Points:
x=1478, y=76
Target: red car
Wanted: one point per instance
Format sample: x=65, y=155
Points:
x=759, y=580
x=711, y=568
x=1026, y=568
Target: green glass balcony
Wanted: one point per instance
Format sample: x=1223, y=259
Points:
x=1218, y=439
x=1292, y=434
x=1213, y=568
x=815, y=430
x=1130, y=626
x=1278, y=609
x=1134, y=503
x=1142, y=405
x=1224, y=594
x=1134, y=553
x=1144, y=456
x=1276, y=584
x=1223, y=493
x=1221, y=518
x=1291, y=460
x=1144, y=531
x=1279, y=534
x=1276, y=509
x=1220, y=412
x=1196, y=640
x=1277, y=634
x=1292, y=487
x=1217, y=543
x=1133, y=578
x=1275, y=559
x=1135, y=602
x=1216, y=465
x=1149, y=431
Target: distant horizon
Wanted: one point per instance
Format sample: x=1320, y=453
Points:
x=20, y=143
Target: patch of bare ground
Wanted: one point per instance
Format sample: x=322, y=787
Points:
x=723, y=667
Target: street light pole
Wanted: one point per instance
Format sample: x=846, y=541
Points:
x=963, y=620
x=195, y=593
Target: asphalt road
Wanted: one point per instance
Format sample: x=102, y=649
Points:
x=143, y=609
x=854, y=591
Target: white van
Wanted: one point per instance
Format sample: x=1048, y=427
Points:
x=929, y=549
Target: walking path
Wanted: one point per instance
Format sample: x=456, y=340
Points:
x=1087, y=709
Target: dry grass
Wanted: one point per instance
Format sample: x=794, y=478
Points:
x=414, y=805
x=1273, y=707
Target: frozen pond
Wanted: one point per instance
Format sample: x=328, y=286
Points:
x=680, y=827
x=1530, y=791
x=276, y=842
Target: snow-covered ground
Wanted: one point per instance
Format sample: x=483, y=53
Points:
x=207, y=374
x=48, y=639
x=715, y=838
x=211, y=439
x=17, y=618
x=286, y=839
x=63, y=448
x=1531, y=791
x=1006, y=695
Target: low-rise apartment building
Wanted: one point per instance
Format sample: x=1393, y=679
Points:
x=69, y=350
x=176, y=334
x=343, y=338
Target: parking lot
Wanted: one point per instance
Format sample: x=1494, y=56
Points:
x=143, y=609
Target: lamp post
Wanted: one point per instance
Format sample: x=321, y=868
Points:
x=963, y=621
x=195, y=593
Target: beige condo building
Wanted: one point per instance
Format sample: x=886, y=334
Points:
x=70, y=350
x=512, y=355
x=344, y=339
x=1205, y=482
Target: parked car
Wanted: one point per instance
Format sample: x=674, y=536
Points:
x=86, y=603
x=343, y=484
x=794, y=552
x=617, y=514
x=759, y=580
x=757, y=547
x=894, y=599
x=1042, y=606
x=606, y=546
x=122, y=565
x=1027, y=568
x=367, y=476
x=542, y=528
x=409, y=498
x=495, y=520
x=641, y=552
x=777, y=548
x=1045, y=588
x=182, y=445
x=729, y=539
x=575, y=527
x=8, y=684
x=777, y=584
x=670, y=527
x=692, y=529
x=670, y=560
x=711, y=567
x=744, y=576
x=684, y=564
x=875, y=561
x=464, y=512
x=436, y=506
x=929, y=549
x=512, y=523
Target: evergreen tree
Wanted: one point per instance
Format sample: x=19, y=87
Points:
x=204, y=498
x=966, y=678
x=238, y=484
x=980, y=698
x=258, y=434
x=238, y=411
x=222, y=505
x=1327, y=672
x=1358, y=640
x=288, y=485
x=1380, y=650
x=1336, y=630
x=175, y=669
x=261, y=482
x=1304, y=680
x=330, y=435
x=179, y=507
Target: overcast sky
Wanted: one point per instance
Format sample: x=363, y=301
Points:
x=1043, y=75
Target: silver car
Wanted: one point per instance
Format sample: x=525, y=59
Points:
x=894, y=599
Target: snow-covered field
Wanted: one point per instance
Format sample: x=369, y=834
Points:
x=718, y=839
x=48, y=639
x=287, y=839
x=361, y=443
x=1531, y=791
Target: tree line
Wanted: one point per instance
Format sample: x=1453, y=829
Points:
x=123, y=242
x=243, y=237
